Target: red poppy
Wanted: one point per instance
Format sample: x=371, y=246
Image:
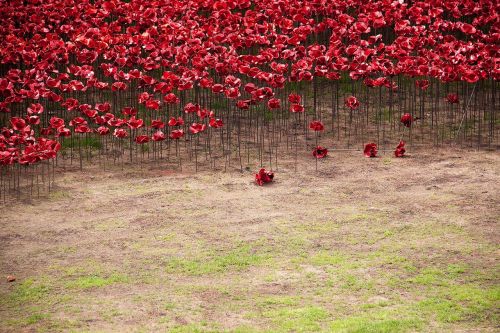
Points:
x=294, y=98
x=197, y=128
x=177, y=134
x=263, y=177
x=135, y=123
x=120, y=133
x=407, y=119
x=159, y=136
x=320, y=152
x=157, y=123
x=316, y=125
x=18, y=123
x=141, y=139
x=274, y=103
x=400, y=149
x=63, y=132
x=171, y=99
x=82, y=128
x=452, y=98
x=35, y=109
x=103, y=130
x=352, y=102
x=215, y=123
x=153, y=104
x=296, y=108
x=423, y=84
x=371, y=150
x=176, y=122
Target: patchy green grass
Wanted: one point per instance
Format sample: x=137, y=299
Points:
x=93, y=281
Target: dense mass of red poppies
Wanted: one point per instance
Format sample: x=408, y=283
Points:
x=67, y=65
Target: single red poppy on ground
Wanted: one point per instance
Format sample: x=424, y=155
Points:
x=352, y=102
x=177, y=134
x=263, y=177
x=400, y=149
x=371, y=150
x=320, y=152
x=141, y=139
x=316, y=125
x=407, y=119
x=452, y=98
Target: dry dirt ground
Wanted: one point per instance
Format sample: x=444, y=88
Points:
x=362, y=245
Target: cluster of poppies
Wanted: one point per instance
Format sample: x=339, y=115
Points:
x=66, y=64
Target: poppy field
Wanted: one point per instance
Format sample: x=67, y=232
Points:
x=222, y=84
x=249, y=166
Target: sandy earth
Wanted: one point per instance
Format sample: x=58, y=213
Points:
x=362, y=245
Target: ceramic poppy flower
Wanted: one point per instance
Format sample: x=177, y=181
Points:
x=316, y=125
x=371, y=150
x=18, y=123
x=407, y=119
x=296, y=108
x=103, y=130
x=320, y=152
x=135, y=123
x=274, y=103
x=352, y=102
x=400, y=149
x=176, y=122
x=452, y=98
x=153, y=104
x=157, y=123
x=197, y=128
x=264, y=177
x=63, y=132
x=215, y=123
x=82, y=128
x=423, y=84
x=120, y=133
x=176, y=134
x=159, y=136
x=141, y=139
x=294, y=98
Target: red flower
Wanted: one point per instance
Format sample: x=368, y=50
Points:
x=171, y=98
x=316, y=125
x=197, y=128
x=103, y=130
x=177, y=134
x=120, y=133
x=82, y=128
x=215, y=123
x=64, y=132
x=263, y=177
x=135, y=123
x=141, y=139
x=296, y=108
x=452, y=98
x=274, y=103
x=153, y=104
x=352, y=102
x=157, y=123
x=400, y=149
x=423, y=84
x=407, y=119
x=294, y=98
x=18, y=123
x=371, y=150
x=320, y=152
x=159, y=136
x=176, y=122
x=35, y=109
